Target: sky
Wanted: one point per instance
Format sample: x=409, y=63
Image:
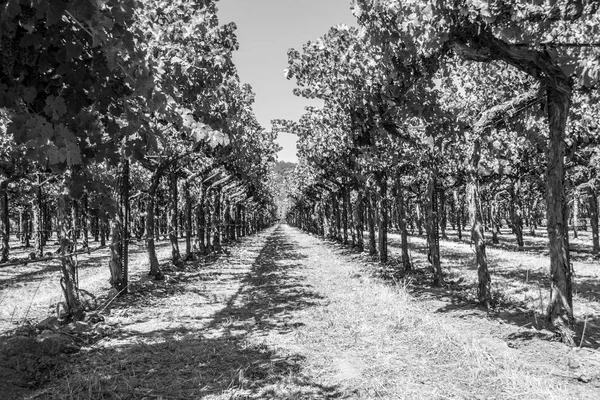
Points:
x=266, y=30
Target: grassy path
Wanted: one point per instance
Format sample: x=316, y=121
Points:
x=284, y=315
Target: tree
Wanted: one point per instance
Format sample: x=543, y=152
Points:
x=91, y=91
x=421, y=33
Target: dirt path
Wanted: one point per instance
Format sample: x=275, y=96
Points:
x=284, y=315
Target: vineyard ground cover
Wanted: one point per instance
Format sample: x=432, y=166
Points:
x=519, y=279
x=202, y=334
x=30, y=292
x=581, y=248
x=287, y=315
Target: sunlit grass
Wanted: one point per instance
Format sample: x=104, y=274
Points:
x=404, y=350
x=291, y=317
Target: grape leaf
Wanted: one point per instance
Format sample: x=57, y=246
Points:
x=73, y=154
x=12, y=8
x=55, y=11
x=55, y=107
x=29, y=94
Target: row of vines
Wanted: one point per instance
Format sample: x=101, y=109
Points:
x=471, y=113
x=123, y=121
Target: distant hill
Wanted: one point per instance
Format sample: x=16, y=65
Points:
x=281, y=170
x=281, y=167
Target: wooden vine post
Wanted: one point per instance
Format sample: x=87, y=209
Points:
x=371, y=208
x=119, y=248
x=381, y=194
x=406, y=264
x=358, y=217
x=593, y=207
x=432, y=226
x=38, y=224
x=201, y=221
x=188, y=220
x=125, y=215
x=151, y=225
x=216, y=220
x=4, y=222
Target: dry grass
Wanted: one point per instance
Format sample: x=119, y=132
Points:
x=283, y=315
x=29, y=293
x=199, y=335
x=179, y=368
x=520, y=279
x=405, y=351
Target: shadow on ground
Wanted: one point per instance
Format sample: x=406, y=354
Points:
x=35, y=270
x=458, y=297
x=224, y=358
